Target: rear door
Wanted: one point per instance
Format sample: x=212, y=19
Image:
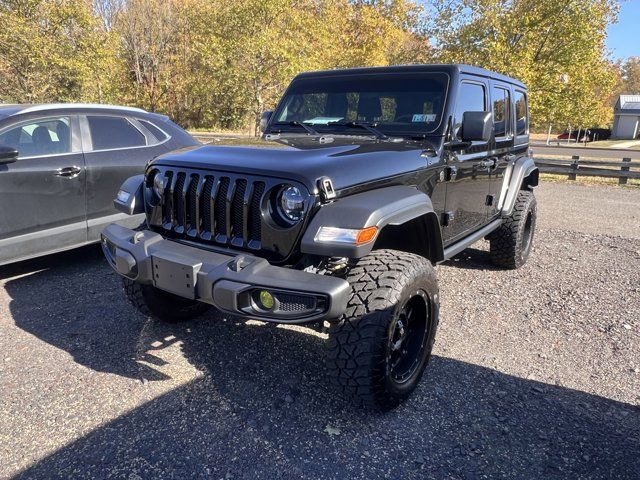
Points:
x=42, y=194
x=116, y=148
x=504, y=128
x=465, y=205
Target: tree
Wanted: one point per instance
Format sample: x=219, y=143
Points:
x=49, y=51
x=631, y=76
x=541, y=42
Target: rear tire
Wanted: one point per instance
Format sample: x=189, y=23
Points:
x=161, y=305
x=378, y=350
x=511, y=243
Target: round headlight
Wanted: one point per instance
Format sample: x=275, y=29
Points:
x=158, y=184
x=291, y=202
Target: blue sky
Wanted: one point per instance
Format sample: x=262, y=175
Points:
x=623, y=38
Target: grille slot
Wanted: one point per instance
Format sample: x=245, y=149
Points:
x=193, y=218
x=179, y=202
x=255, y=216
x=206, y=201
x=221, y=210
x=225, y=210
x=237, y=216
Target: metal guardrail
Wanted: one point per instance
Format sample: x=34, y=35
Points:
x=590, y=168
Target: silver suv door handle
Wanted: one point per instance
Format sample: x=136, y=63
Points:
x=69, y=172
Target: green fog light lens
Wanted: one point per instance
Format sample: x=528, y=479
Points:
x=266, y=300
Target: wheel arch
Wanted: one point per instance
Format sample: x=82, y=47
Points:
x=404, y=216
x=522, y=175
x=420, y=235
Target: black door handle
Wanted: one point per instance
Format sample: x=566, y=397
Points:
x=69, y=172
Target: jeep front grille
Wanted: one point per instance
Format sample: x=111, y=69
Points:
x=219, y=208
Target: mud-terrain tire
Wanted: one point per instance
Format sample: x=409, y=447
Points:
x=510, y=245
x=163, y=306
x=393, y=308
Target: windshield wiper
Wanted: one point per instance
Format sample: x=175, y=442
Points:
x=293, y=123
x=370, y=127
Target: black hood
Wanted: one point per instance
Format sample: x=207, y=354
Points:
x=348, y=161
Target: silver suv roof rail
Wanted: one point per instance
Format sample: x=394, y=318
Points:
x=77, y=106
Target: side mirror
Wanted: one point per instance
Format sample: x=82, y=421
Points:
x=264, y=120
x=477, y=126
x=8, y=155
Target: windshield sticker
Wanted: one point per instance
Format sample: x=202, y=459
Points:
x=424, y=117
x=323, y=120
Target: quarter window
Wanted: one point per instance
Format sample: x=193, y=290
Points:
x=522, y=118
x=43, y=137
x=471, y=98
x=501, y=112
x=114, y=132
x=159, y=135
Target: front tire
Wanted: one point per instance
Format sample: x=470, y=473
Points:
x=510, y=245
x=379, y=348
x=161, y=305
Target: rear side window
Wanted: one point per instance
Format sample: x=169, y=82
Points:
x=501, y=112
x=471, y=98
x=522, y=118
x=114, y=132
x=159, y=135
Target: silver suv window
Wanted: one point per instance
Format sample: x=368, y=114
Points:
x=108, y=133
x=42, y=137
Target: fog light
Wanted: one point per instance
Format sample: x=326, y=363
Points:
x=266, y=300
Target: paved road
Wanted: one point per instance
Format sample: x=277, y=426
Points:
x=584, y=152
x=536, y=373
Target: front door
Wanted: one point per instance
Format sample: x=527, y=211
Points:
x=42, y=194
x=469, y=169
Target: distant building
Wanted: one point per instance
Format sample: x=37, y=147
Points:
x=626, y=120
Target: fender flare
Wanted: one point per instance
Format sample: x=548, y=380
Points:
x=523, y=173
x=386, y=206
x=134, y=204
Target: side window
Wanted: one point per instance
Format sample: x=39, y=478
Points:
x=114, y=132
x=501, y=112
x=158, y=134
x=49, y=136
x=522, y=118
x=471, y=98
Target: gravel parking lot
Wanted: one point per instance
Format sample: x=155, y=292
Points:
x=536, y=373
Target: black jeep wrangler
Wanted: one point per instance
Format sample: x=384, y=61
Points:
x=367, y=179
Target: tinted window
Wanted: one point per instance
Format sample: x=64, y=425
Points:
x=41, y=137
x=471, y=98
x=396, y=103
x=114, y=132
x=159, y=135
x=522, y=120
x=501, y=112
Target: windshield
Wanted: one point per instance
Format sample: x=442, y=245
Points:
x=395, y=103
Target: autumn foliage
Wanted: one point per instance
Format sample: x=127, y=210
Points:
x=219, y=63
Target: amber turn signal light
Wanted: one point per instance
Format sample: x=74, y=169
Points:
x=366, y=235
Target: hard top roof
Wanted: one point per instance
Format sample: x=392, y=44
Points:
x=434, y=67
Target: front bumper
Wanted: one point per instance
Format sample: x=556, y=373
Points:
x=229, y=282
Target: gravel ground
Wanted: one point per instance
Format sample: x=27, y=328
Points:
x=536, y=373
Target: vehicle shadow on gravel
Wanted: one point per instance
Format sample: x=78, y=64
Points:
x=74, y=302
x=262, y=406
x=473, y=259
